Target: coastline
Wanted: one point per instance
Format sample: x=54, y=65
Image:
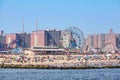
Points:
x=59, y=61
x=54, y=67
x=88, y=65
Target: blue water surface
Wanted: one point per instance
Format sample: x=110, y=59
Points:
x=58, y=74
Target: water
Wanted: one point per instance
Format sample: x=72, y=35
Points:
x=57, y=74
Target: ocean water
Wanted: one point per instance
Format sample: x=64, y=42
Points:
x=58, y=74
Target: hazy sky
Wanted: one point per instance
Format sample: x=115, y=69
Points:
x=91, y=16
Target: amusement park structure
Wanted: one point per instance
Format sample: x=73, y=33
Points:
x=109, y=47
x=72, y=38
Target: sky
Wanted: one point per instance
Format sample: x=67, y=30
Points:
x=91, y=16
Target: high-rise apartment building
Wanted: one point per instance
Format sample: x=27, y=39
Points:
x=53, y=37
x=45, y=38
x=38, y=38
x=18, y=40
x=11, y=39
x=2, y=42
x=101, y=40
x=118, y=41
x=90, y=41
x=95, y=43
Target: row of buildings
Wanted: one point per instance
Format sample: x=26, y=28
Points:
x=100, y=41
x=53, y=38
x=27, y=40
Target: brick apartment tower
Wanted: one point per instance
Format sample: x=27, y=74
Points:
x=118, y=41
x=100, y=40
x=2, y=42
x=45, y=38
x=95, y=41
x=18, y=40
x=38, y=38
x=10, y=39
x=90, y=41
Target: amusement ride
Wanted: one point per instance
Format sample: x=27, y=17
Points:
x=72, y=38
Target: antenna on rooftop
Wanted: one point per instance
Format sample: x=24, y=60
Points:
x=36, y=33
x=23, y=38
x=23, y=25
x=36, y=25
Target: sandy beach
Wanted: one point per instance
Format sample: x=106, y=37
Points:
x=59, y=61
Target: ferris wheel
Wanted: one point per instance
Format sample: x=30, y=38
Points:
x=73, y=38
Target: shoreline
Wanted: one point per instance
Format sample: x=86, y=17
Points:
x=60, y=61
x=53, y=66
